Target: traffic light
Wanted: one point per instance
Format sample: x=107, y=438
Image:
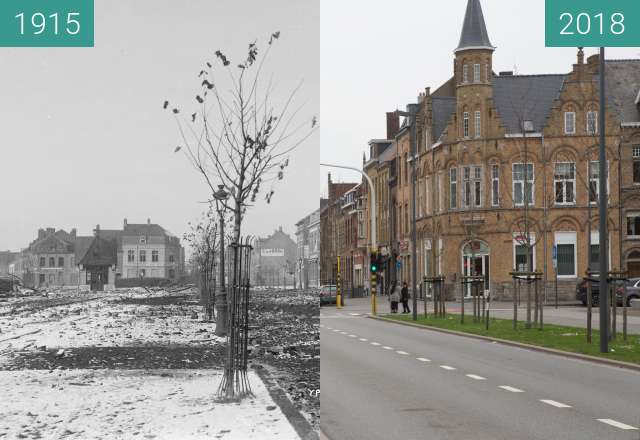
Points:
x=374, y=262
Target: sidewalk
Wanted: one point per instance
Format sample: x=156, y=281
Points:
x=568, y=313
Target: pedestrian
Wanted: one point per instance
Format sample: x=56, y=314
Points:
x=394, y=298
x=404, y=297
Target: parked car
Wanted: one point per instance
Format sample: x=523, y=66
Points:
x=328, y=294
x=633, y=291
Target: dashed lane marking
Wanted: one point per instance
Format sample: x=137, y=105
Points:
x=363, y=339
x=556, y=404
x=352, y=336
x=386, y=347
x=375, y=343
x=511, y=389
x=402, y=352
x=447, y=367
x=423, y=359
x=618, y=424
x=476, y=377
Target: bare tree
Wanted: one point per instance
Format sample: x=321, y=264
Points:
x=204, y=241
x=241, y=137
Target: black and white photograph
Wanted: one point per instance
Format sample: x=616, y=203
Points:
x=159, y=229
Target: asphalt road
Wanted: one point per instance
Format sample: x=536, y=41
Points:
x=386, y=381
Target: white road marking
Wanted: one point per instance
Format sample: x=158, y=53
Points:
x=352, y=336
x=423, y=359
x=336, y=330
x=447, y=367
x=386, y=347
x=402, y=352
x=556, y=404
x=354, y=314
x=344, y=333
x=617, y=424
x=375, y=343
x=476, y=377
x=512, y=389
x=363, y=339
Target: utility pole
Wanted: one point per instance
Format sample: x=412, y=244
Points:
x=411, y=114
x=603, y=239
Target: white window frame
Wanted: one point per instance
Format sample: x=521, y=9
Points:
x=476, y=184
x=635, y=152
x=453, y=188
x=597, y=181
x=465, y=73
x=478, y=124
x=465, y=125
x=427, y=196
x=523, y=182
x=440, y=189
x=569, y=238
x=592, y=119
x=476, y=73
x=595, y=240
x=495, y=185
x=567, y=117
x=628, y=216
x=564, y=185
x=518, y=241
x=131, y=256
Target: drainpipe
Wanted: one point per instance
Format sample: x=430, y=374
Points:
x=545, y=231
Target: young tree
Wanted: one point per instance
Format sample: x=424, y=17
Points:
x=241, y=137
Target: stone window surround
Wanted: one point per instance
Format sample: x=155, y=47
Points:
x=569, y=122
x=530, y=179
x=571, y=238
x=564, y=181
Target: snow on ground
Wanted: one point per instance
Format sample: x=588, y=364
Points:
x=121, y=319
x=151, y=404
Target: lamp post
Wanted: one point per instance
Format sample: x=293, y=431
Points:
x=221, y=197
x=411, y=114
x=374, y=238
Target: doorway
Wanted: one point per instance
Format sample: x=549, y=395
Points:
x=476, y=262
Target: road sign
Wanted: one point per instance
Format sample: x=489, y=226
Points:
x=555, y=256
x=592, y=23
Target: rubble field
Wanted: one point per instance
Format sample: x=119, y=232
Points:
x=138, y=329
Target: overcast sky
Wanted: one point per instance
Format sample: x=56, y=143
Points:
x=85, y=140
x=376, y=56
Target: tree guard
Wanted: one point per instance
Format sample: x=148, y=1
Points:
x=529, y=279
x=436, y=286
x=235, y=383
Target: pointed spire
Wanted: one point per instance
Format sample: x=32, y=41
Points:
x=474, y=31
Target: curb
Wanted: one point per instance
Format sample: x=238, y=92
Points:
x=298, y=421
x=583, y=357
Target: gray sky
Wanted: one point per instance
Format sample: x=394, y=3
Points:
x=85, y=140
x=377, y=56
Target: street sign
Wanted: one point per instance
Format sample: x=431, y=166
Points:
x=555, y=256
x=398, y=265
x=592, y=23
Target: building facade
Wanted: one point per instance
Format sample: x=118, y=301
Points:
x=308, y=251
x=273, y=261
x=506, y=173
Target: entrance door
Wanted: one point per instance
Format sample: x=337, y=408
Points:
x=633, y=267
x=476, y=262
x=99, y=276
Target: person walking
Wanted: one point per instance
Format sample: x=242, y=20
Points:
x=394, y=297
x=404, y=297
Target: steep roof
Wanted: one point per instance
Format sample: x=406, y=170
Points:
x=525, y=98
x=442, y=108
x=474, y=30
x=622, y=87
x=82, y=245
x=387, y=154
x=101, y=252
x=132, y=229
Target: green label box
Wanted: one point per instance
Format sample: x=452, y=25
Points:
x=46, y=23
x=592, y=23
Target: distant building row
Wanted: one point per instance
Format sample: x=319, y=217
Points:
x=57, y=258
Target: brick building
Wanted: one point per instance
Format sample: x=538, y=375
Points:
x=308, y=251
x=273, y=261
x=507, y=170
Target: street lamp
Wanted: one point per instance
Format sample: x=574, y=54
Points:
x=221, y=196
x=374, y=238
x=411, y=114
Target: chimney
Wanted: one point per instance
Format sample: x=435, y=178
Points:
x=125, y=223
x=96, y=231
x=393, y=124
x=41, y=234
x=580, y=56
x=74, y=232
x=51, y=230
x=148, y=221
